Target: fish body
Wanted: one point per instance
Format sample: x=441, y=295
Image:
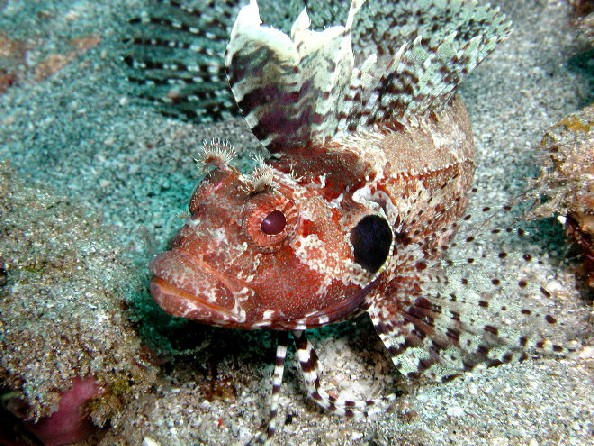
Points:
x=372, y=158
x=348, y=207
x=369, y=172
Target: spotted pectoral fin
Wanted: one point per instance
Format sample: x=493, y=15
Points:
x=418, y=345
x=457, y=323
x=289, y=88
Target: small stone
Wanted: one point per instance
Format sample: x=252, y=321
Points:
x=7, y=80
x=587, y=352
x=456, y=411
x=51, y=65
x=500, y=441
x=72, y=15
x=356, y=435
x=85, y=43
x=11, y=48
x=148, y=441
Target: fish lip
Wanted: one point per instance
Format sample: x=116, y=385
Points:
x=181, y=285
x=178, y=302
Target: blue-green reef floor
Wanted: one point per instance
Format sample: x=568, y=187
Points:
x=96, y=185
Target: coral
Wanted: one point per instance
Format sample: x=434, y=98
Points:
x=583, y=11
x=582, y=7
x=70, y=422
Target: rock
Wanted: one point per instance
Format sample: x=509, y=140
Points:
x=566, y=183
x=63, y=312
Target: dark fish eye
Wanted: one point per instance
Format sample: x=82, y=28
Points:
x=371, y=240
x=274, y=223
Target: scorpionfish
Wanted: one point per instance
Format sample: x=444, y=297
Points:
x=371, y=161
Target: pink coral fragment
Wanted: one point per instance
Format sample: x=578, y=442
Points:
x=70, y=423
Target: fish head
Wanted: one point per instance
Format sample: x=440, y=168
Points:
x=261, y=250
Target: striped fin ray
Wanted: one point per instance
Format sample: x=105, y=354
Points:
x=417, y=79
x=289, y=88
x=277, y=379
x=308, y=361
x=434, y=20
x=177, y=58
x=305, y=88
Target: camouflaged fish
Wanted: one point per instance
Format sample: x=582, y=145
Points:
x=372, y=160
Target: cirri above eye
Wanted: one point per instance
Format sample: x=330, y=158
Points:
x=274, y=223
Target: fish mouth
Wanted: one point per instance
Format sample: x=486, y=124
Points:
x=185, y=286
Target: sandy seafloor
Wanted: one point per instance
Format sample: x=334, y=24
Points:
x=80, y=135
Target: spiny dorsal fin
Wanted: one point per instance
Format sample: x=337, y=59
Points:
x=413, y=55
x=289, y=88
x=304, y=88
x=418, y=79
x=381, y=33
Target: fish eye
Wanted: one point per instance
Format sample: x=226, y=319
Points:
x=270, y=220
x=274, y=223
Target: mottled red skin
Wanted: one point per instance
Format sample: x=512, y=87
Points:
x=281, y=282
x=416, y=178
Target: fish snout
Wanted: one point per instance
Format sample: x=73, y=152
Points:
x=185, y=286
